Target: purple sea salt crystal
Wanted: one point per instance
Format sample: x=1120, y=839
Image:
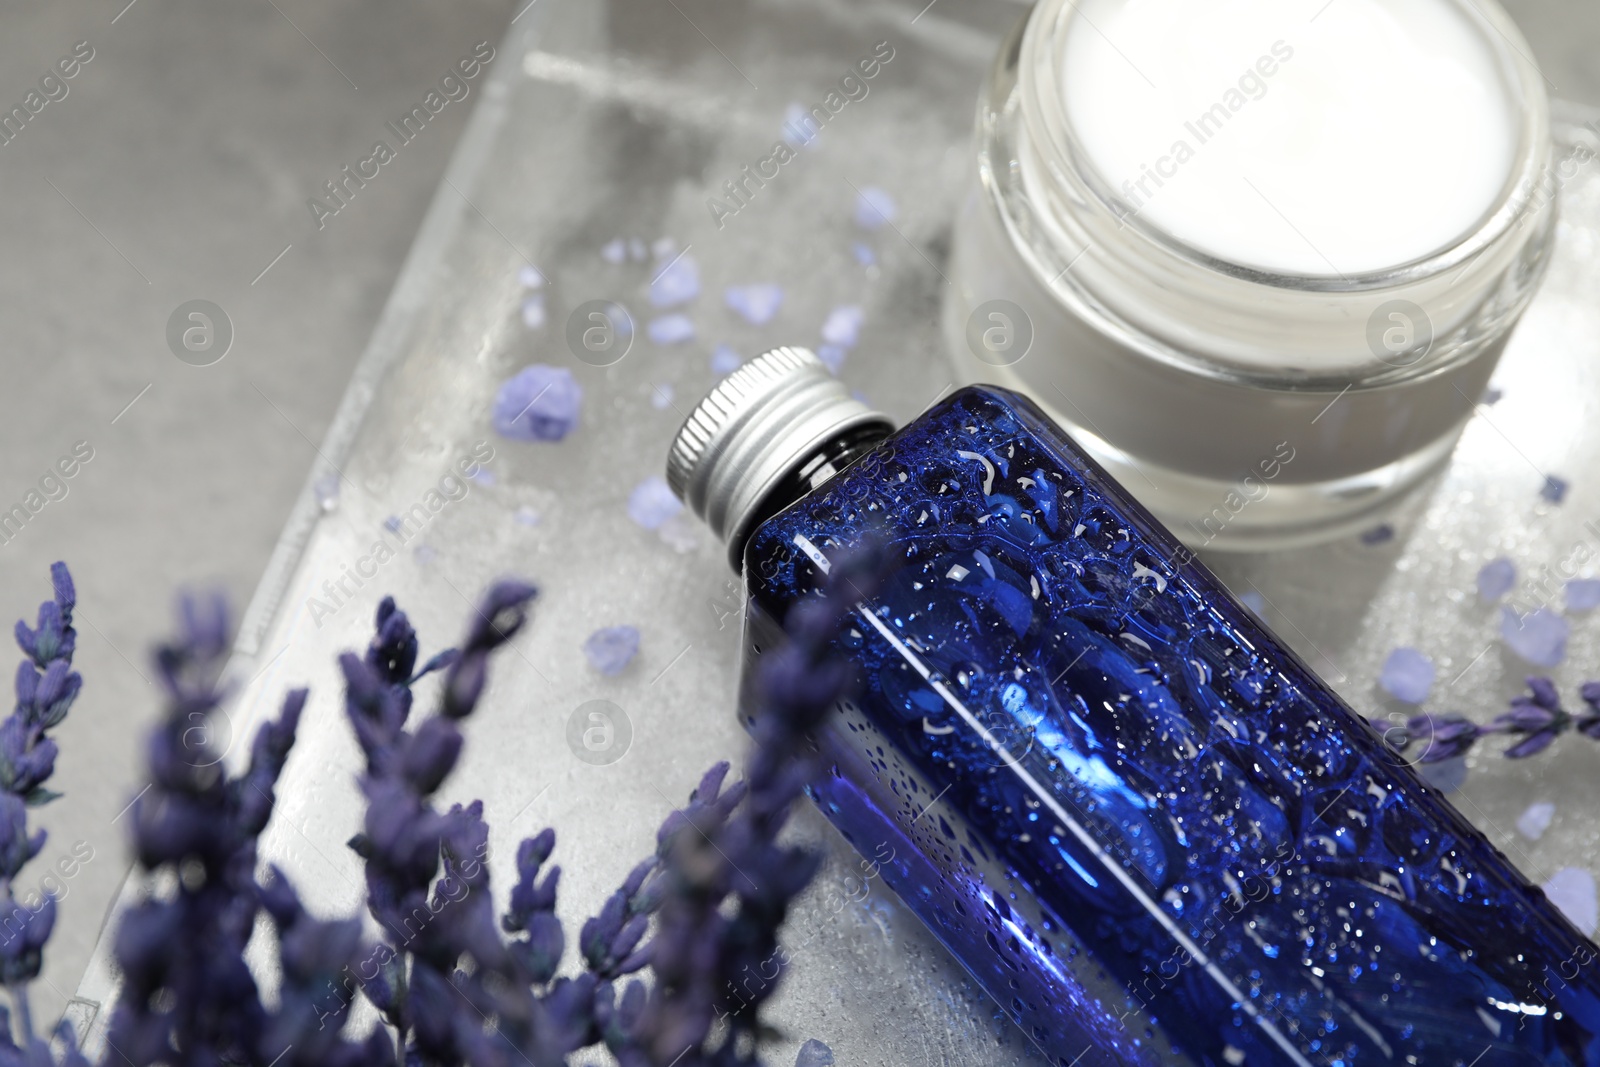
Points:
x=724, y=360
x=326, y=490
x=1572, y=889
x=1255, y=602
x=679, y=533
x=799, y=128
x=652, y=503
x=864, y=254
x=757, y=303
x=672, y=329
x=538, y=403
x=526, y=515
x=1446, y=776
x=661, y=396
x=615, y=252
x=833, y=357
x=528, y=277
x=1407, y=675
x=1491, y=396
x=1540, y=637
x=677, y=283
x=1533, y=822
x=533, y=313
x=611, y=649
x=843, y=326
x=874, y=208
x=1582, y=594
x=1495, y=579
x=1554, y=489
x=1378, y=534
x=814, y=1054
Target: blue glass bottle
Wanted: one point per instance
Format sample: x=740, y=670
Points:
x=1146, y=828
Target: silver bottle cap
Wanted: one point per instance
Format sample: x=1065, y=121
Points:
x=756, y=427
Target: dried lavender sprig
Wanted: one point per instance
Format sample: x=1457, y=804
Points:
x=46, y=686
x=187, y=995
x=426, y=871
x=1536, y=718
x=725, y=846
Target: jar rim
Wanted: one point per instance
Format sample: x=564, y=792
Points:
x=1045, y=118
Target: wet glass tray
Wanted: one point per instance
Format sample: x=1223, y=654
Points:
x=618, y=120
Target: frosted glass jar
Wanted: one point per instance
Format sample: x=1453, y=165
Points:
x=1245, y=358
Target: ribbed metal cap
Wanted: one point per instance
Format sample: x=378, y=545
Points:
x=752, y=430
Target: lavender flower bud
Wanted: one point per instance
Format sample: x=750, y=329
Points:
x=1444, y=736
x=431, y=754
x=66, y=592
x=1533, y=743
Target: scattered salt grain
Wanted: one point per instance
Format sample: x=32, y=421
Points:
x=677, y=283
x=326, y=490
x=1572, y=890
x=832, y=356
x=483, y=476
x=615, y=252
x=661, y=396
x=526, y=516
x=678, y=533
x=724, y=360
x=1554, y=489
x=1491, y=396
x=663, y=248
x=538, y=403
x=814, y=1054
x=611, y=649
x=1255, y=602
x=637, y=251
x=651, y=503
x=1540, y=637
x=843, y=326
x=864, y=254
x=874, y=208
x=797, y=128
x=528, y=277
x=1495, y=579
x=425, y=554
x=1378, y=534
x=1407, y=675
x=1583, y=594
x=533, y=313
x=671, y=329
x=1446, y=775
x=756, y=303
x=1536, y=820
x=393, y=524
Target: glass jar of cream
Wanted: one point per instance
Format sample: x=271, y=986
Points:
x=1260, y=257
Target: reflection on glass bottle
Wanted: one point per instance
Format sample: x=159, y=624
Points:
x=1145, y=827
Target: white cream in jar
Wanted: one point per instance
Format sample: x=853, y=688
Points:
x=1231, y=230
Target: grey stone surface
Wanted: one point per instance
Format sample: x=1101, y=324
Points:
x=181, y=160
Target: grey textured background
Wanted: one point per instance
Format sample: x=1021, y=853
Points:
x=177, y=168
x=189, y=144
